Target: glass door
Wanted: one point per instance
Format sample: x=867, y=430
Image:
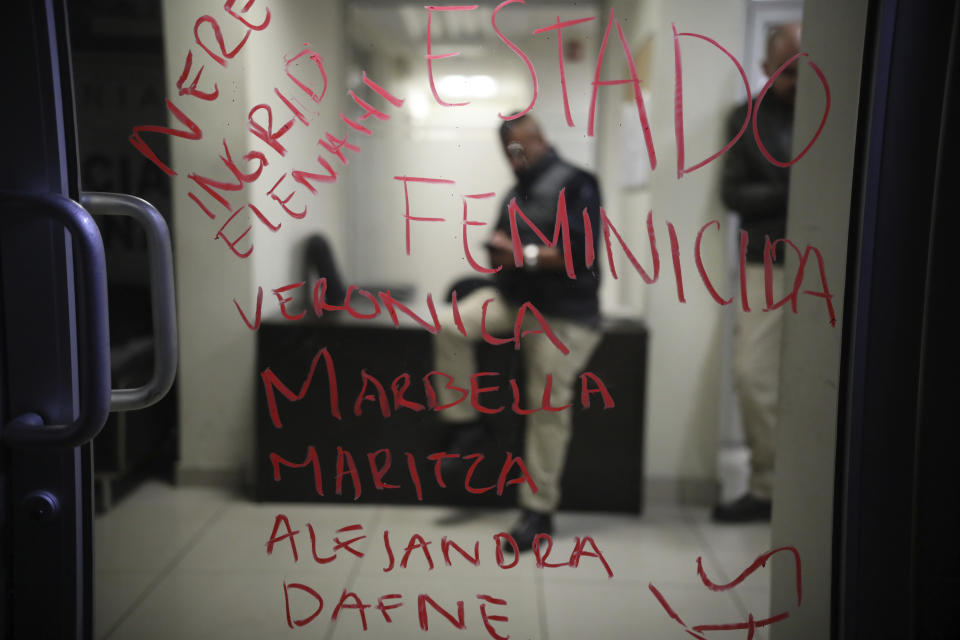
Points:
x=55, y=357
x=357, y=142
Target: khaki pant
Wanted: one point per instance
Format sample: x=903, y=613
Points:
x=548, y=433
x=756, y=365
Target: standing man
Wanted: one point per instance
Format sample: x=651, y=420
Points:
x=570, y=307
x=757, y=190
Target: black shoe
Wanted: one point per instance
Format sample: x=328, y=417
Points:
x=745, y=509
x=528, y=526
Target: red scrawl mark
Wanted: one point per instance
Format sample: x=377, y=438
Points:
x=750, y=624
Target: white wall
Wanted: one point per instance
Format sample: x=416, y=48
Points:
x=213, y=347
x=819, y=215
x=279, y=258
x=217, y=374
x=684, y=362
x=619, y=132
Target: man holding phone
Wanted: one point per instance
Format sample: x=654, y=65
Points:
x=570, y=306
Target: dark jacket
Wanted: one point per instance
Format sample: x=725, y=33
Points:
x=753, y=186
x=537, y=193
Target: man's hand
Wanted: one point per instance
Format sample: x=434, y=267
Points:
x=501, y=254
x=501, y=250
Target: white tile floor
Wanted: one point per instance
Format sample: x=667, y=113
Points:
x=181, y=563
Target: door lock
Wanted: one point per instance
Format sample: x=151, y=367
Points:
x=41, y=505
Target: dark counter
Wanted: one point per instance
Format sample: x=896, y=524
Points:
x=605, y=459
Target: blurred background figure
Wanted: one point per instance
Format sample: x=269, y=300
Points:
x=757, y=190
x=570, y=307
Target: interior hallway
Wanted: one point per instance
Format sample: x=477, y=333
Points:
x=191, y=562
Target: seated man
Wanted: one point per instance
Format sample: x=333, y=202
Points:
x=569, y=305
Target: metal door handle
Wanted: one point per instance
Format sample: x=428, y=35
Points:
x=93, y=336
x=162, y=299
